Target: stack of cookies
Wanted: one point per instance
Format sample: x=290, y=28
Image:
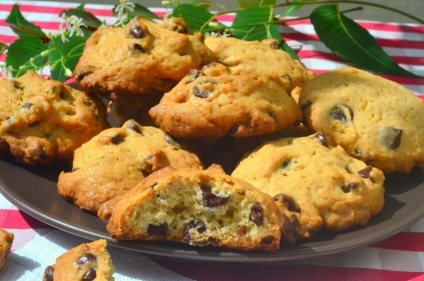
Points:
x=290, y=155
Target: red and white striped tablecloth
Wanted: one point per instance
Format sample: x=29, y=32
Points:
x=400, y=257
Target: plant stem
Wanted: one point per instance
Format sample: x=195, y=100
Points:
x=365, y=3
x=307, y=17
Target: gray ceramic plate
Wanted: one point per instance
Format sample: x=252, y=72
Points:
x=34, y=192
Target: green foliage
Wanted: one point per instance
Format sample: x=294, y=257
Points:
x=25, y=54
x=254, y=21
x=352, y=42
x=21, y=26
x=87, y=18
x=197, y=18
x=3, y=47
x=64, y=56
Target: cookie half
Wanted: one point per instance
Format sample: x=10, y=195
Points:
x=199, y=208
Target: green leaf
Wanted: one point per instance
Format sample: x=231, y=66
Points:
x=65, y=55
x=3, y=47
x=21, y=26
x=139, y=11
x=293, y=9
x=352, y=42
x=143, y=12
x=87, y=18
x=254, y=24
x=197, y=18
x=199, y=3
x=255, y=3
x=25, y=54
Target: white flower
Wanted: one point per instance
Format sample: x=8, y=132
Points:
x=6, y=71
x=74, y=24
x=124, y=7
x=122, y=20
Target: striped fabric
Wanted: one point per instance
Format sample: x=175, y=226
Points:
x=400, y=257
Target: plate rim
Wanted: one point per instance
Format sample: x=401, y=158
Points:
x=219, y=254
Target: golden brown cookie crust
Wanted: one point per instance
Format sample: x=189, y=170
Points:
x=214, y=102
x=320, y=187
x=88, y=260
x=44, y=121
x=372, y=118
x=196, y=207
x=259, y=58
x=6, y=240
x=141, y=57
x=116, y=160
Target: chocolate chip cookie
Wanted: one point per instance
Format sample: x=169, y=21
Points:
x=372, y=118
x=116, y=160
x=196, y=207
x=213, y=102
x=319, y=187
x=141, y=57
x=6, y=240
x=44, y=121
x=260, y=58
x=88, y=261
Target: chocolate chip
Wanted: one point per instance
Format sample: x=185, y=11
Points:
x=90, y=275
x=193, y=75
x=289, y=229
x=365, y=172
x=157, y=230
x=203, y=93
x=170, y=140
x=342, y=112
x=87, y=258
x=137, y=32
x=87, y=70
x=322, y=138
x=274, y=45
x=358, y=152
x=257, y=214
x=390, y=137
x=28, y=105
x=74, y=170
x=200, y=93
x=138, y=47
x=305, y=104
x=267, y=240
x=16, y=85
x=347, y=187
x=118, y=139
x=134, y=127
x=212, y=200
x=48, y=273
x=193, y=229
x=290, y=203
x=234, y=130
x=286, y=164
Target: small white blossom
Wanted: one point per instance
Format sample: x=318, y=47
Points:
x=124, y=7
x=122, y=20
x=74, y=24
x=217, y=34
x=68, y=72
x=6, y=71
